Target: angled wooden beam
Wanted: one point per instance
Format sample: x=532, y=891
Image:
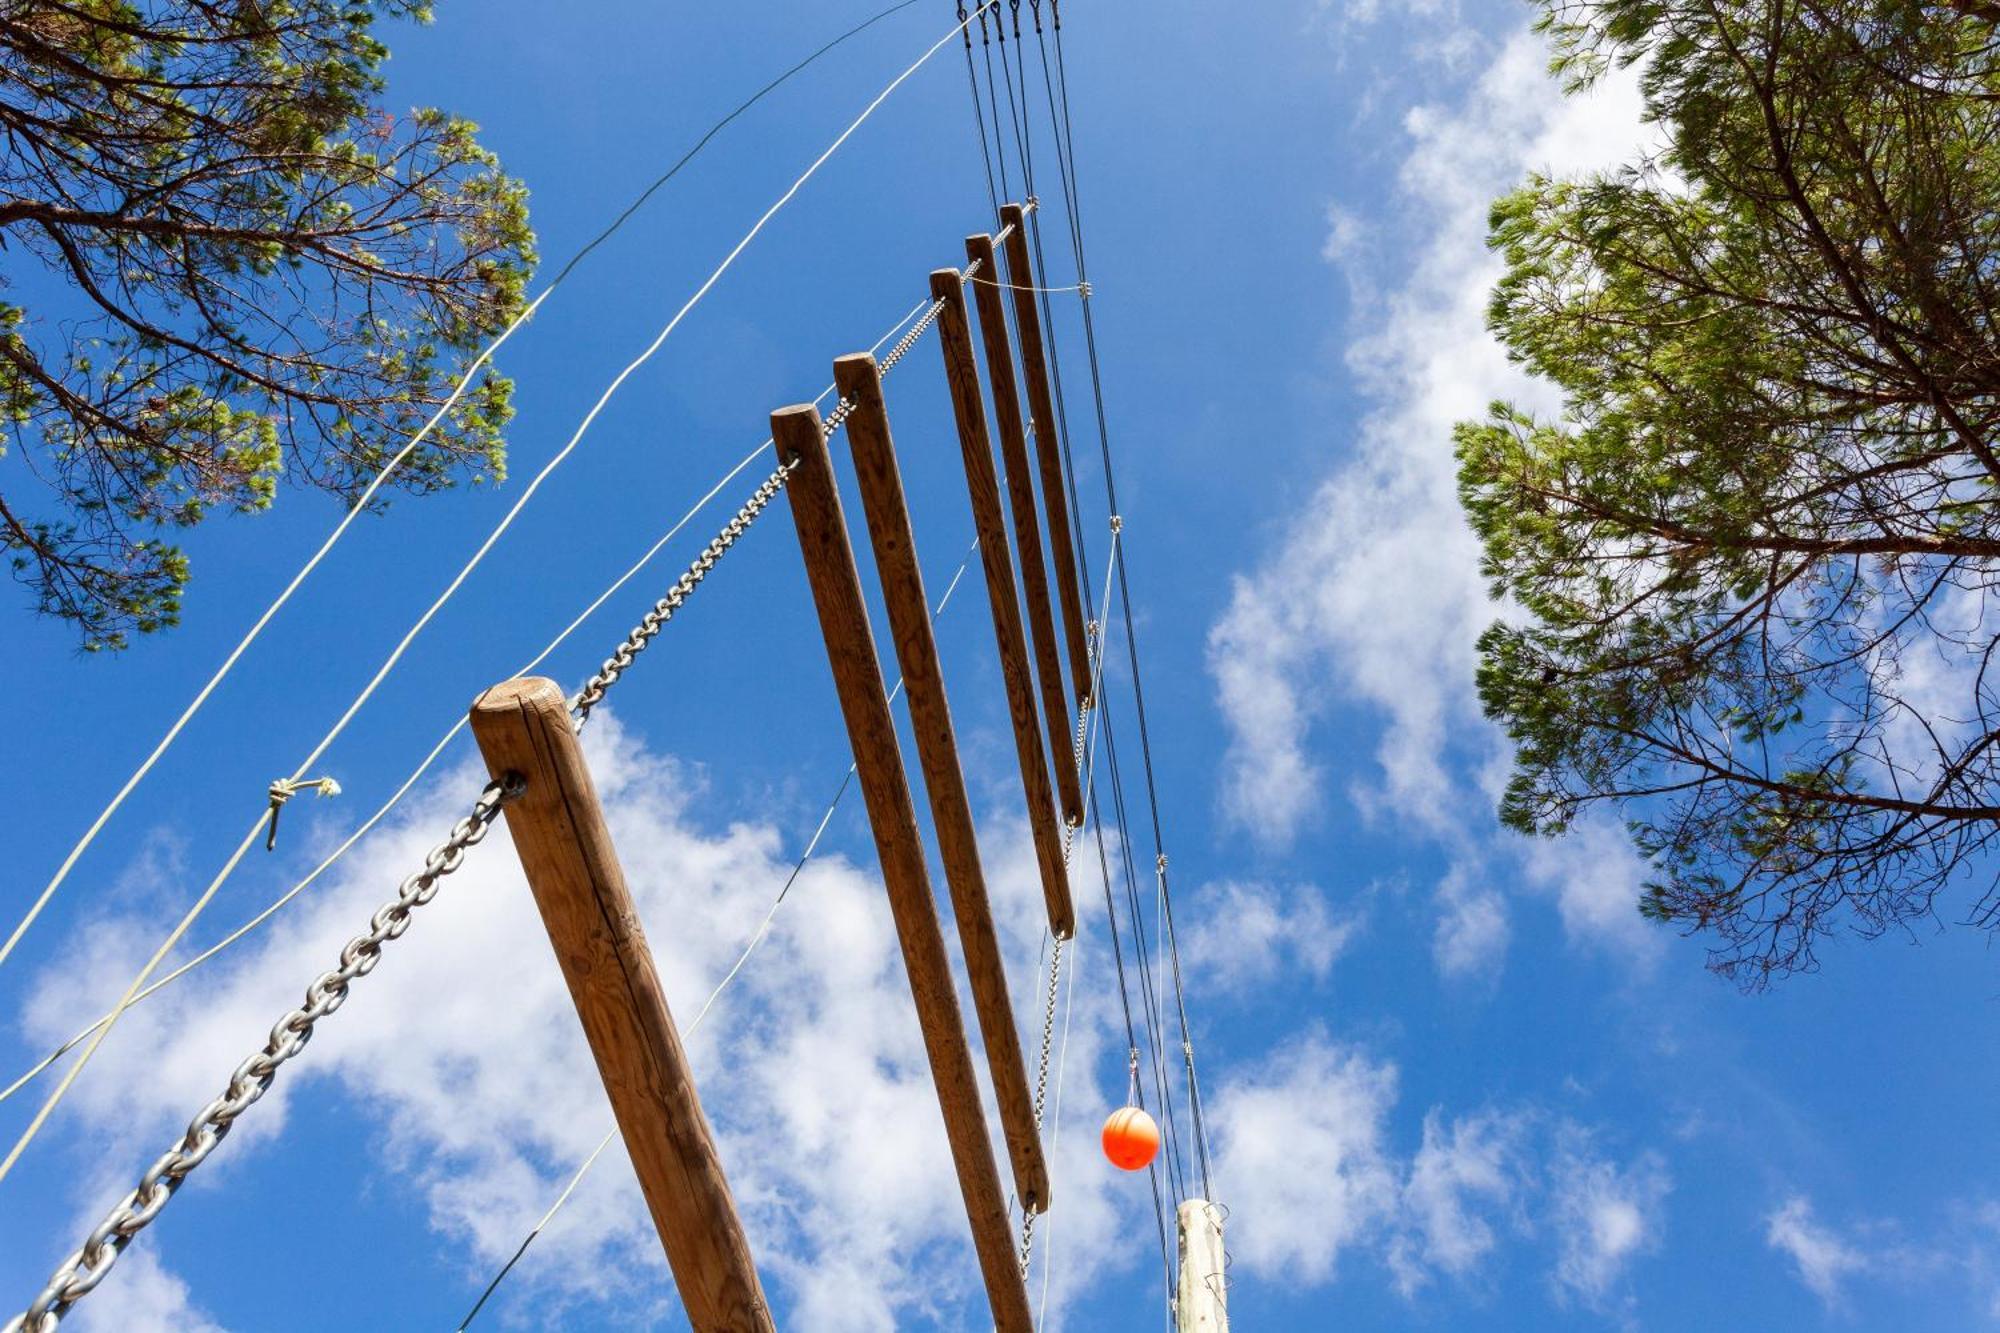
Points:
x=969, y=410
x=1048, y=448
x=889, y=531
x=1027, y=526
x=878, y=761
x=523, y=726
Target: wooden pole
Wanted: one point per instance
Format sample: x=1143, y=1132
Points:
x=1027, y=527
x=1201, y=1303
x=523, y=726
x=1048, y=448
x=962, y=373
x=860, y=383
x=878, y=761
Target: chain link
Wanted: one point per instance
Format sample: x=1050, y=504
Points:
x=663, y=610
x=80, y=1274
x=1042, y=1087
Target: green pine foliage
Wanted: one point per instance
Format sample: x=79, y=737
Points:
x=246, y=272
x=1749, y=563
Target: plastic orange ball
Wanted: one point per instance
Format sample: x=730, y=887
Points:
x=1130, y=1139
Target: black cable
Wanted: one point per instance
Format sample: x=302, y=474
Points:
x=979, y=115
x=1131, y=1035
x=1148, y=992
x=1064, y=126
x=993, y=103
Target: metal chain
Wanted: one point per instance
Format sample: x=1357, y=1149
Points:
x=1055, y=973
x=79, y=1274
x=663, y=610
x=653, y=621
x=1042, y=1087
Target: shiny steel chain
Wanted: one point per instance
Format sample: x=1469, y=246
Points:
x=1042, y=1087
x=82, y=1271
x=1055, y=962
x=663, y=610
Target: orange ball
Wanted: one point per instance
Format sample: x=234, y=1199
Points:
x=1130, y=1139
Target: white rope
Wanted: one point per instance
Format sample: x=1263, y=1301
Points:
x=200, y=905
x=756, y=938
x=443, y=741
x=368, y=493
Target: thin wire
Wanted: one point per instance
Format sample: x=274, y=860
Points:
x=201, y=904
x=757, y=938
x=993, y=104
x=596, y=604
x=1081, y=288
x=979, y=119
x=361, y=504
x=1066, y=158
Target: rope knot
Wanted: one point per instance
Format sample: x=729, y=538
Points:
x=284, y=789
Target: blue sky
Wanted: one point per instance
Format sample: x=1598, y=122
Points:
x=1453, y=1082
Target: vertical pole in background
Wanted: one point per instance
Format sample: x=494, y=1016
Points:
x=892, y=816
x=962, y=374
x=1201, y=1303
x=523, y=726
x=859, y=382
x=1048, y=449
x=1027, y=525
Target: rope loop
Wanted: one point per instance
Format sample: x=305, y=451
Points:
x=284, y=789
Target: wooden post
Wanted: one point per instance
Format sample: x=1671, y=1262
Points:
x=878, y=761
x=1027, y=527
x=860, y=383
x=962, y=373
x=523, y=726
x=1048, y=449
x=1201, y=1303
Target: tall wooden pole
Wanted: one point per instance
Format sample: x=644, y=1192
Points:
x=523, y=726
x=878, y=761
x=1027, y=526
x=968, y=408
x=1048, y=448
x=1201, y=1301
x=882, y=500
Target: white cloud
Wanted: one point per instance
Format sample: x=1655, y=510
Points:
x=1239, y=937
x=1372, y=594
x=1302, y=1159
x=464, y=1050
x=1471, y=935
x=1459, y=1176
x=1606, y=1215
x=1819, y=1255
x=142, y=1298
x=1594, y=873
x=1345, y=232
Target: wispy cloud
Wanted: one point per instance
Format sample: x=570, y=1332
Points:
x=1466, y=1171
x=1819, y=1255
x=1246, y=936
x=463, y=1050
x=1303, y=1157
x=1372, y=594
x=1470, y=939
x=1606, y=1214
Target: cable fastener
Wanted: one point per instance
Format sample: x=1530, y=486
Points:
x=284, y=789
